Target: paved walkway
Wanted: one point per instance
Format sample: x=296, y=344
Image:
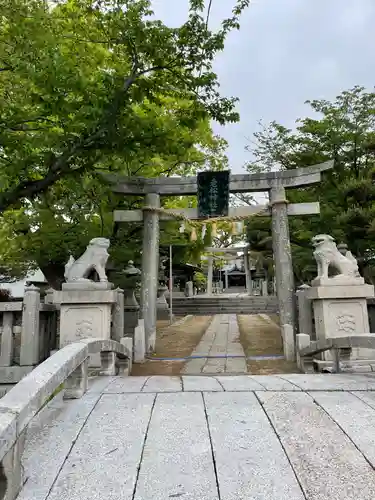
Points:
x=221, y=339
x=290, y=437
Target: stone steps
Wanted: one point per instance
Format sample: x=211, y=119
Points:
x=219, y=305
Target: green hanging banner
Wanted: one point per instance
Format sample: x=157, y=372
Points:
x=213, y=194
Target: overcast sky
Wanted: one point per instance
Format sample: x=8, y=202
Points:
x=286, y=52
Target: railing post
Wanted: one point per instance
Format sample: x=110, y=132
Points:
x=118, y=316
x=302, y=341
x=288, y=342
x=126, y=366
x=305, y=319
x=77, y=382
x=29, y=353
x=7, y=340
x=336, y=359
x=11, y=478
x=108, y=363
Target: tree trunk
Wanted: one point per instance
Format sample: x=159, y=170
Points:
x=54, y=273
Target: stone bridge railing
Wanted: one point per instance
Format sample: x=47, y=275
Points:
x=68, y=366
x=307, y=349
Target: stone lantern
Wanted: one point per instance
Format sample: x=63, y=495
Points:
x=161, y=302
x=342, y=248
x=260, y=279
x=131, y=281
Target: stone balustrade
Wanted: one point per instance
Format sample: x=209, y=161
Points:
x=308, y=349
x=29, y=331
x=68, y=366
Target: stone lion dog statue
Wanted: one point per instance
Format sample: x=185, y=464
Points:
x=327, y=255
x=93, y=259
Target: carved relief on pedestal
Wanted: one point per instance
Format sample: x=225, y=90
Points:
x=345, y=317
x=84, y=328
x=346, y=323
x=85, y=321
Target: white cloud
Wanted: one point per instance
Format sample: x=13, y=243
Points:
x=356, y=15
x=286, y=52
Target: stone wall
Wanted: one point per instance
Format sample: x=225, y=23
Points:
x=30, y=329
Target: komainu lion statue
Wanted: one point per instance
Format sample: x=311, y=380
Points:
x=93, y=259
x=327, y=255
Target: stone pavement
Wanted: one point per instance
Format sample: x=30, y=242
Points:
x=288, y=437
x=220, y=339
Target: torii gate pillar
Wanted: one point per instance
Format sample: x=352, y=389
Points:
x=282, y=256
x=150, y=269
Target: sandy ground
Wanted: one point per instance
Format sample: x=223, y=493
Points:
x=260, y=337
x=176, y=340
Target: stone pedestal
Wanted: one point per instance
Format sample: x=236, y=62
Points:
x=289, y=349
x=134, y=327
x=139, y=346
x=131, y=313
x=340, y=309
x=86, y=309
x=131, y=317
x=118, y=317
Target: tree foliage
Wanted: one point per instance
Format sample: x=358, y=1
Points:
x=91, y=86
x=62, y=221
x=343, y=130
x=78, y=78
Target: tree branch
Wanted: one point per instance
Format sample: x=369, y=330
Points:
x=169, y=170
x=208, y=13
x=29, y=189
x=62, y=165
x=7, y=66
x=4, y=125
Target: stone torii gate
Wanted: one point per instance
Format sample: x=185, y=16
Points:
x=230, y=253
x=273, y=182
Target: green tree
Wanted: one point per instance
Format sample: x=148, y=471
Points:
x=344, y=131
x=62, y=221
x=98, y=86
x=200, y=279
x=78, y=78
